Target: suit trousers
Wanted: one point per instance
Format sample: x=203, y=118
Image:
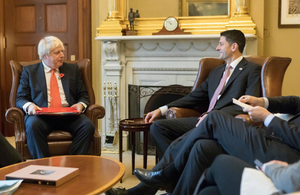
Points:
x=202, y=154
x=224, y=176
x=165, y=131
x=236, y=137
x=38, y=127
x=8, y=154
x=220, y=133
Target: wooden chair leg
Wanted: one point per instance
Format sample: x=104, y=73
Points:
x=133, y=150
x=120, y=146
x=145, y=148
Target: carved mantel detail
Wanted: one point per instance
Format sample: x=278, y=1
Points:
x=111, y=51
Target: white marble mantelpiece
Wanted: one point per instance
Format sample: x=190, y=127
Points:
x=156, y=60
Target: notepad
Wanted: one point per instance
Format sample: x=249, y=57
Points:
x=58, y=111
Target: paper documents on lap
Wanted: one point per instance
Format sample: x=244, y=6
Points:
x=58, y=111
x=44, y=175
x=241, y=104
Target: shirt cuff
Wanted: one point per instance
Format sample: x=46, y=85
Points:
x=25, y=106
x=264, y=167
x=266, y=102
x=163, y=110
x=84, y=106
x=268, y=120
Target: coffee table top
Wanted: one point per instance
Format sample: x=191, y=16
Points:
x=96, y=175
x=134, y=124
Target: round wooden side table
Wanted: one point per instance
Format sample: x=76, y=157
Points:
x=134, y=125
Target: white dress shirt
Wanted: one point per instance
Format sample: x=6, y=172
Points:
x=64, y=102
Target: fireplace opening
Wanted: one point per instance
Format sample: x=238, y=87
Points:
x=144, y=99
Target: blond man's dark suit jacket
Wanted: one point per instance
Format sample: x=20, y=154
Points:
x=33, y=88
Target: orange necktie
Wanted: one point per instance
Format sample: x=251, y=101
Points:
x=55, y=100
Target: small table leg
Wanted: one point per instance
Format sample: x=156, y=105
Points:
x=120, y=146
x=133, y=150
x=145, y=148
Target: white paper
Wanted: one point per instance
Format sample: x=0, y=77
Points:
x=256, y=182
x=7, y=187
x=241, y=104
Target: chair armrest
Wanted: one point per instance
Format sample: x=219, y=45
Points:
x=246, y=118
x=16, y=116
x=95, y=112
x=175, y=112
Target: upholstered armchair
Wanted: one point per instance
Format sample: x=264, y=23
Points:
x=59, y=141
x=272, y=74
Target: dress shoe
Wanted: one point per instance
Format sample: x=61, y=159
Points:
x=116, y=191
x=154, y=179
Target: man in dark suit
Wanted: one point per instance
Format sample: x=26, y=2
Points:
x=244, y=78
x=34, y=92
x=219, y=133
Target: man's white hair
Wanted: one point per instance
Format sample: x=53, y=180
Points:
x=47, y=44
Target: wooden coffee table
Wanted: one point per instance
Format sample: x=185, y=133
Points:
x=96, y=175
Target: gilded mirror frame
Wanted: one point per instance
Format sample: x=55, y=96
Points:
x=238, y=18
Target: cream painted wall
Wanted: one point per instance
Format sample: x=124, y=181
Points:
x=256, y=10
x=283, y=42
x=99, y=13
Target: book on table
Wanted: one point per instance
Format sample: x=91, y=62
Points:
x=44, y=175
x=58, y=111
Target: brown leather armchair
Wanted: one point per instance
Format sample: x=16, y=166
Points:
x=59, y=141
x=272, y=73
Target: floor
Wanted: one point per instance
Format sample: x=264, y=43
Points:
x=129, y=180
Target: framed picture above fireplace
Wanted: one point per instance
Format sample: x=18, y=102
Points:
x=204, y=8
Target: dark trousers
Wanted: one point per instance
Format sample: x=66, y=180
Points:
x=224, y=176
x=8, y=154
x=165, y=131
x=39, y=127
x=220, y=133
x=236, y=137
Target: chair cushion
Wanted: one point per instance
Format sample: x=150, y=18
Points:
x=59, y=136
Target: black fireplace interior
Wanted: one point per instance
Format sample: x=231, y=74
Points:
x=143, y=99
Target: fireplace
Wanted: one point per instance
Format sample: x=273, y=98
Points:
x=143, y=99
x=151, y=61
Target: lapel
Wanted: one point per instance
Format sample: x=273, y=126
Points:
x=238, y=69
x=41, y=80
x=65, y=81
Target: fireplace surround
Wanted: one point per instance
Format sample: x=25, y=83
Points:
x=151, y=61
